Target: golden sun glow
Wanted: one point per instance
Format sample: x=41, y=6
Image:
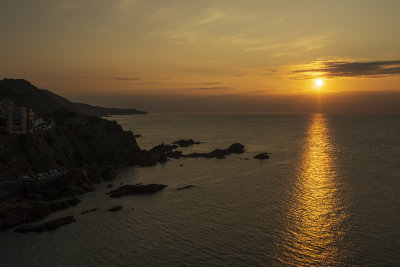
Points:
x=319, y=83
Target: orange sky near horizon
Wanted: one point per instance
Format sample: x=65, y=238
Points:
x=210, y=47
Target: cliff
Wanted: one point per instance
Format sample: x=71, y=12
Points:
x=44, y=102
x=74, y=141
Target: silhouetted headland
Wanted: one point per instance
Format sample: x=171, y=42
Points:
x=44, y=102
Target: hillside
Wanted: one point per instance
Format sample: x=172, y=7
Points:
x=76, y=141
x=44, y=102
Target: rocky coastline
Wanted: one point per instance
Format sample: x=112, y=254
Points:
x=92, y=150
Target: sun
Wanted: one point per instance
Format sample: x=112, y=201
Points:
x=319, y=83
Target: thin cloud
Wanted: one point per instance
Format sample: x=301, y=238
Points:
x=354, y=69
x=126, y=79
x=208, y=88
x=211, y=83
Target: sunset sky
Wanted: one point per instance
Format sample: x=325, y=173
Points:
x=95, y=49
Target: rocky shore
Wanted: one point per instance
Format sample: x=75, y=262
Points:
x=91, y=149
x=137, y=189
x=47, y=226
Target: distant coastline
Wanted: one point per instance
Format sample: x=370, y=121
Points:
x=44, y=102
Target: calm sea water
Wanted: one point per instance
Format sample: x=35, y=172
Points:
x=329, y=195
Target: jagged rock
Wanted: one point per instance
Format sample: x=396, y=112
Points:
x=47, y=226
x=115, y=209
x=185, y=142
x=262, y=156
x=136, y=189
x=185, y=187
x=219, y=153
x=110, y=185
x=137, y=135
x=163, y=148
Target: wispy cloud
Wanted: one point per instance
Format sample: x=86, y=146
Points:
x=126, y=79
x=333, y=69
x=216, y=88
x=211, y=83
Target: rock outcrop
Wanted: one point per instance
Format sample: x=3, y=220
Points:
x=262, y=156
x=136, y=189
x=115, y=208
x=47, y=226
x=185, y=142
x=219, y=153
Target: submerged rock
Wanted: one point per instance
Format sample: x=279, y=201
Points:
x=262, y=156
x=87, y=211
x=185, y=142
x=136, y=189
x=185, y=187
x=47, y=226
x=115, y=208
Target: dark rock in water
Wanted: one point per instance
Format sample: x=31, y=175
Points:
x=60, y=205
x=174, y=154
x=47, y=226
x=87, y=211
x=163, y=148
x=185, y=187
x=109, y=175
x=12, y=215
x=115, y=209
x=137, y=135
x=219, y=153
x=180, y=165
x=110, y=185
x=136, y=189
x=262, y=156
x=185, y=143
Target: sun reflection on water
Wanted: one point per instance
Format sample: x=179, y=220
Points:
x=314, y=220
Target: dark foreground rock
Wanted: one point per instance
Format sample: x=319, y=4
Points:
x=262, y=156
x=185, y=187
x=24, y=211
x=136, y=189
x=47, y=226
x=185, y=142
x=115, y=209
x=219, y=153
x=60, y=205
x=14, y=214
x=109, y=174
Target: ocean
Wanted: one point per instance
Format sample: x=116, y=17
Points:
x=329, y=195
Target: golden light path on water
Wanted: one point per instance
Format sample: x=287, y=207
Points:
x=314, y=229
